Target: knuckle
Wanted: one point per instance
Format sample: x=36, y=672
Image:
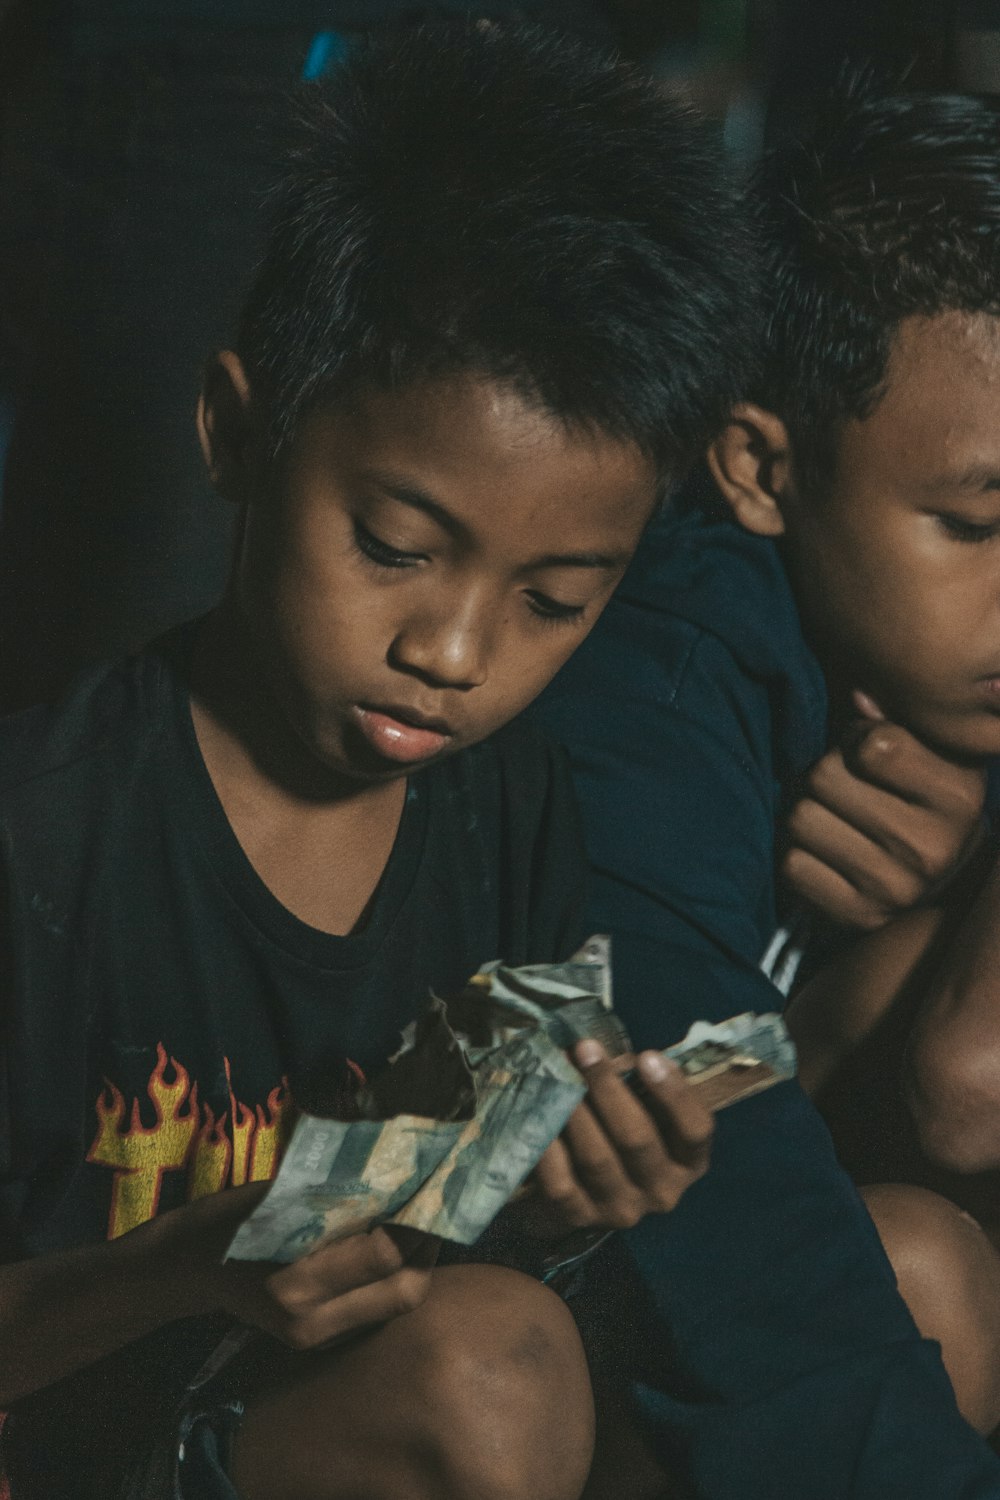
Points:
x=383, y=1256
x=867, y=915
x=409, y=1290
x=930, y=863
x=931, y=860
x=666, y=1197
x=699, y=1133
x=602, y=1171
x=560, y=1194
x=882, y=744
x=625, y=1214
x=904, y=887
x=299, y=1334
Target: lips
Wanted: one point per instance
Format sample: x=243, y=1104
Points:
x=401, y=733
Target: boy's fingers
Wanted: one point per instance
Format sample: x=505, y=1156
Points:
x=684, y=1121
x=927, y=837
x=416, y=1247
x=887, y=755
x=658, y=1136
x=870, y=809
x=821, y=886
x=557, y=1182
x=889, y=881
x=599, y=1169
x=360, y=1260
x=307, y=1325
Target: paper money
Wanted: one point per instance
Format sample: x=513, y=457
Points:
x=441, y=1140
x=735, y=1058
x=444, y=1136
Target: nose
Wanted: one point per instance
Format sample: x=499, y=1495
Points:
x=448, y=641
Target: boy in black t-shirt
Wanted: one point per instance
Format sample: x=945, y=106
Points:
x=500, y=303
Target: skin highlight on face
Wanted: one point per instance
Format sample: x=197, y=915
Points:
x=420, y=566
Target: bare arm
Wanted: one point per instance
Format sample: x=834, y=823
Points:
x=61, y=1312
x=837, y=1012
x=931, y=980
x=953, y=1061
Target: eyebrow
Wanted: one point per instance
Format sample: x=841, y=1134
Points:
x=979, y=477
x=408, y=494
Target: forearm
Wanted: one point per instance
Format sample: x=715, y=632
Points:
x=62, y=1312
x=59, y=1313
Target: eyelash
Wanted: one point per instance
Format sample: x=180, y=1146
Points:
x=375, y=550
x=969, y=531
x=552, y=612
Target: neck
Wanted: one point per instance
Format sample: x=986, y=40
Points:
x=242, y=730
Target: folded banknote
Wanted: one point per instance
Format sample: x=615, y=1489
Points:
x=735, y=1058
x=443, y=1137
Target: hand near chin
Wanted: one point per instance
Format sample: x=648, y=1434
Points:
x=622, y=1154
x=885, y=823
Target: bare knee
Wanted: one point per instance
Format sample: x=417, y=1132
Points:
x=503, y=1359
x=949, y=1275
x=481, y=1393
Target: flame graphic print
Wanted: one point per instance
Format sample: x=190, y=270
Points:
x=242, y=1145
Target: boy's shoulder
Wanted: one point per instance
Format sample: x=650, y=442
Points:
x=699, y=571
x=703, y=629
x=104, y=721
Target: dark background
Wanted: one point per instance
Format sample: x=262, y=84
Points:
x=136, y=139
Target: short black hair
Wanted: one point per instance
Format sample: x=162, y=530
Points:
x=888, y=208
x=508, y=201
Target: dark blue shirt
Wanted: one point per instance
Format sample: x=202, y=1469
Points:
x=792, y=1369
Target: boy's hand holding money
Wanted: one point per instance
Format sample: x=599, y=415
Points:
x=622, y=1155
x=339, y=1288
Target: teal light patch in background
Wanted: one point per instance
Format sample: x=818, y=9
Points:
x=326, y=50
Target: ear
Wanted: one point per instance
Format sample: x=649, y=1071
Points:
x=224, y=423
x=751, y=462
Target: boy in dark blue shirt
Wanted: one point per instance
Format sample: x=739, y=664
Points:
x=830, y=607
x=495, y=320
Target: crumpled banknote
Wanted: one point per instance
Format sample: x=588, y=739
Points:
x=443, y=1137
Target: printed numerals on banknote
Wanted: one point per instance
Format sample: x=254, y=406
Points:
x=483, y=1083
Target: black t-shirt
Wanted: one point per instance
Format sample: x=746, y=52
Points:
x=162, y=1009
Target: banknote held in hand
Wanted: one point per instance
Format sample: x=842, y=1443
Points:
x=482, y=1084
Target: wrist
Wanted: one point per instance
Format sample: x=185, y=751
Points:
x=180, y=1254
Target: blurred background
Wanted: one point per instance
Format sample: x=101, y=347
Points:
x=136, y=140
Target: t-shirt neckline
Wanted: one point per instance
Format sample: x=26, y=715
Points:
x=257, y=903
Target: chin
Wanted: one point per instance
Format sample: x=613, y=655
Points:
x=974, y=740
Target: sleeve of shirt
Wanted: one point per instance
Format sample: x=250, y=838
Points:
x=790, y=1365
